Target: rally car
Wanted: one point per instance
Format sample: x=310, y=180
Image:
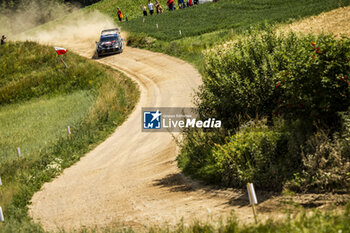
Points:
x=110, y=42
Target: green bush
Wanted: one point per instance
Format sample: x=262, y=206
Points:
x=325, y=165
x=299, y=84
x=251, y=155
x=265, y=74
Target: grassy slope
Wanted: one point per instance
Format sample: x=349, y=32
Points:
x=91, y=98
x=38, y=123
x=236, y=14
x=131, y=9
x=214, y=23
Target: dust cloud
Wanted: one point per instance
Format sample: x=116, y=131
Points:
x=77, y=31
x=23, y=15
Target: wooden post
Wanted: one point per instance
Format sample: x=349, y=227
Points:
x=252, y=199
x=19, y=152
x=63, y=61
x=1, y=215
x=69, y=132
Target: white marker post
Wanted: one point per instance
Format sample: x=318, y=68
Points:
x=143, y=20
x=252, y=198
x=180, y=32
x=0, y=181
x=1, y=215
x=69, y=132
x=156, y=25
x=19, y=152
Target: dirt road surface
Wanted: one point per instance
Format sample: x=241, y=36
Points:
x=132, y=178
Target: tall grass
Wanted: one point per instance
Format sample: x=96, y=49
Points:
x=312, y=222
x=93, y=99
x=210, y=24
x=38, y=123
x=237, y=14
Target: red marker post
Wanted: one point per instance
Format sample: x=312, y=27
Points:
x=60, y=51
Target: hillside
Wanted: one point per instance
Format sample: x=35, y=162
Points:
x=283, y=102
x=336, y=22
x=40, y=98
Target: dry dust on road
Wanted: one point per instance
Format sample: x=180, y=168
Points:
x=131, y=178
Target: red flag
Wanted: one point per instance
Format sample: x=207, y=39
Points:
x=60, y=51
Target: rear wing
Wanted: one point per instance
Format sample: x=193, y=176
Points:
x=110, y=31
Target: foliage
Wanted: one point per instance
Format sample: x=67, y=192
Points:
x=130, y=9
x=225, y=14
x=313, y=222
x=29, y=70
x=252, y=155
x=299, y=84
x=264, y=74
x=112, y=96
x=326, y=165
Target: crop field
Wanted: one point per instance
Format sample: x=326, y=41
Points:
x=237, y=14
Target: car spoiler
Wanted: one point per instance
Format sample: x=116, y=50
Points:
x=110, y=31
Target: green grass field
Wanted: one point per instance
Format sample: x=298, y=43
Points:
x=39, y=123
x=210, y=24
x=39, y=98
x=237, y=14
x=130, y=9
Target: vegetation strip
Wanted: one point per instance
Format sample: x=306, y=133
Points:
x=112, y=97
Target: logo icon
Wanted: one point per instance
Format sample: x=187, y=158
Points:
x=152, y=120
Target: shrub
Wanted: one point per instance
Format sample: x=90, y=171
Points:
x=265, y=74
x=326, y=165
x=253, y=154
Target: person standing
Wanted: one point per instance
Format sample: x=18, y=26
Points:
x=3, y=39
x=171, y=5
x=120, y=14
x=150, y=7
x=159, y=8
x=144, y=10
x=181, y=4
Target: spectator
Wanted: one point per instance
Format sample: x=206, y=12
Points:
x=159, y=8
x=120, y=14
x=150, y=7
x=181, y=4
x=3, y=39
x=171, y=5
x=144, y=10
x=189, y=3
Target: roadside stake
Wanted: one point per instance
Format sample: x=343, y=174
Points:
x=0, y=181
x=180, y=32
x=19, y=152
x=156, y=25
x=1, y=215
x=252, y=199
x=69, y=132
x=143, y=20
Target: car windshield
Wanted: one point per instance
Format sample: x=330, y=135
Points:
x=106, y=39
